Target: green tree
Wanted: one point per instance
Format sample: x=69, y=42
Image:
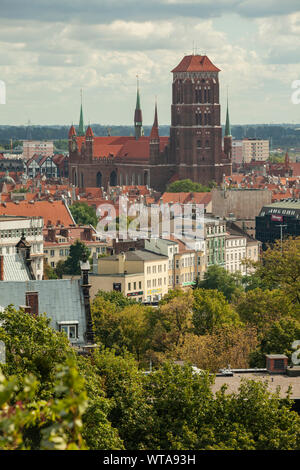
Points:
x=187, y=415
x=278, y=338
x=211, y=311
x=281, y=268
x=49, y=272
x=130, y=412
x=58, y=421
x=262, y=307
x=32, y=346
x=187, y=186
x=218, y=278
x=84, y=214
x=117, y=298
x=78, y=252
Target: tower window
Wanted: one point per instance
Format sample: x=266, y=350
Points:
x=198, y=95
x=198, y=119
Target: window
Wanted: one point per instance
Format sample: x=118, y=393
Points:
x=140, y=284
x=129, y=285
x=51, y=252
x=154, y=269
x=134, y=285
x=70, y=329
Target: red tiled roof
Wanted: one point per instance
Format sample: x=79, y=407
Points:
x=196, y=63
x=72, y=131
x=54, y=212
x=296, y=168
x=123, y=147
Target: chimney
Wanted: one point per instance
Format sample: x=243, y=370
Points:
x=276, y=363
x=1, y=268
x=32, y=301
x=51, y=234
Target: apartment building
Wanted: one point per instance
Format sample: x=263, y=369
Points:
x=236, y=251
x=150, y=282
x=58, y=241
x=240, y=247
x=40, y=147
x=167, y=248
x=12, y=228
x=214, y=235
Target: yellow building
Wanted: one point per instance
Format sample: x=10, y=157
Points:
x=142, y=274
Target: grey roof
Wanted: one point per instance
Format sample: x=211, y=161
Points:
x=15, y=268
x=60, y=299
x=287, y=207
x=138, y=255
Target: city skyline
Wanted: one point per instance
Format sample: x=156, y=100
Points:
x=49, y=52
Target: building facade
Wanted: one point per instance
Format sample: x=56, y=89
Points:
x=194, y=149
x=40, y=147
x=12, y=228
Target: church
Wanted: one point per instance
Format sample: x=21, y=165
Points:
x=193, y=150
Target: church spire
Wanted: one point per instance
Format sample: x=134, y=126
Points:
x=138, y=119
x=227, y=125
x=154, y=131
x=81, y=129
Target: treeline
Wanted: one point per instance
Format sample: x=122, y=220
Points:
x=281, y=135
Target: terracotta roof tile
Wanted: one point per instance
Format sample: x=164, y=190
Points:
x=196, y=63
x=52, y=212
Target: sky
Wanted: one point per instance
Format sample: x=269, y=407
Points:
x=50, y=49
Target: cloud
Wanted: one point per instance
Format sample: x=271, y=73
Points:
x=107, y=11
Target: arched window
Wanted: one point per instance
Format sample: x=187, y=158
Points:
x=198, y=93
x=198, y=118
x=113, y=179
x=205, y=95
x=99, y=179
x=75, y=178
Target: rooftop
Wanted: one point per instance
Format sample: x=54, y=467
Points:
x=196, y=63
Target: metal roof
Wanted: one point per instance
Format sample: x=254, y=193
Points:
x=61, y=299
x=15, y=268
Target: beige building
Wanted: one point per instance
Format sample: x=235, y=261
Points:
x=40, y=147
x=131, y=285
x=58, y=241
x=152, y=267
x=243, y=151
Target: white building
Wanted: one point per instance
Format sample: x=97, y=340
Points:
x=235, y=253
x=12, y=228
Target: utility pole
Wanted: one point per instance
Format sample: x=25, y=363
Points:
x=281, y=227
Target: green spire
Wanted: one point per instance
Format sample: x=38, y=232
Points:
x=138, y=101
x=81, y=130
x=227, y=126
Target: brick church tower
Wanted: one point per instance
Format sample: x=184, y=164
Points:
x=196, y=132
